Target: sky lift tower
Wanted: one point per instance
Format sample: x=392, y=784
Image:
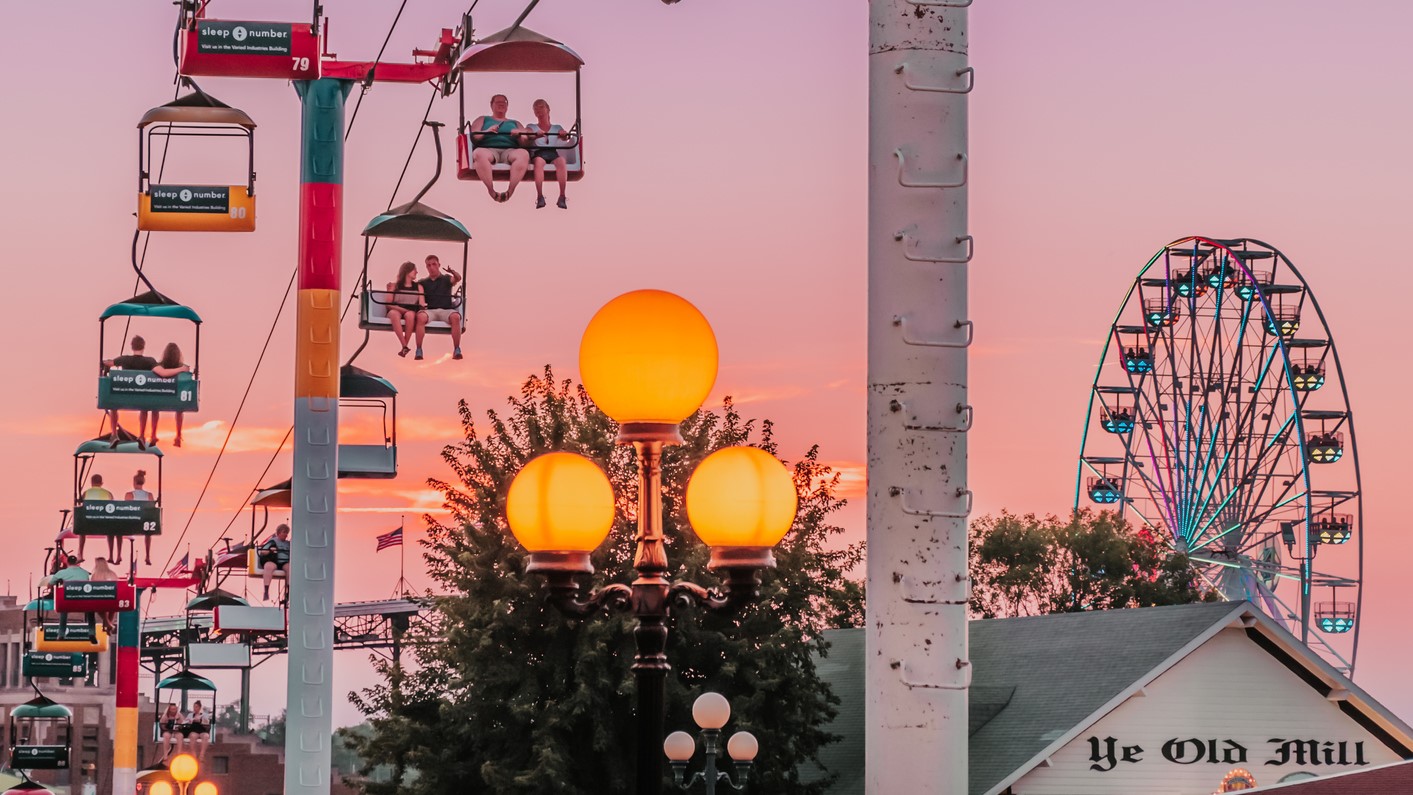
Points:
x=293, y=51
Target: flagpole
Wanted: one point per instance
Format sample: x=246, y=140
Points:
x=402, y=555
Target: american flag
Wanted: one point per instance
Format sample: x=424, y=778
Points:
x=393, y=539
x=183, y=566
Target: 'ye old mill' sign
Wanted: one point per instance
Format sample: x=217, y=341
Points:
x=1107, y=753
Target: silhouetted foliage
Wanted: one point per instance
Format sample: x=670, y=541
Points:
x=1025, y=565
x=511, y=696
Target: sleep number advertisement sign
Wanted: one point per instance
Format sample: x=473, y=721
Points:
x=243, y=38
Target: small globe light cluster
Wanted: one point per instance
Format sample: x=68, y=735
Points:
x=711, y=711
x=183, y=769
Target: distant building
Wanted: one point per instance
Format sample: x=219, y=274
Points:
x=236, y=763
x=1156, y=701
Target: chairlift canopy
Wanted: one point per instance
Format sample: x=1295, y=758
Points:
x=417, y=221
x=150, y=304
x=41, y=707
x=103, y=444
x=198, y=107
x=519, y=50
x=355, y=382
x=276, y=496
x=186, y=680
x=213, y=599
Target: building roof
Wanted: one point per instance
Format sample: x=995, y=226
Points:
x=1039, y=681
x=1038, y=677
x=1395, y=779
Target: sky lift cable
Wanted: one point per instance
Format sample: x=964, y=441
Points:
x=138, y=262
x=249, y=384
x=523, y=14
x=369, y=81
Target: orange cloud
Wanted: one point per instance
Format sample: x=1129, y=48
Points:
x=853, y=478
x=73, y=427
x=210, y=435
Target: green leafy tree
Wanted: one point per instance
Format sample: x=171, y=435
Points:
x=1026, y=565
x=511, y=696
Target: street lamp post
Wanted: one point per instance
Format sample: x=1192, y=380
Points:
x=648, y=359
x=710, y=711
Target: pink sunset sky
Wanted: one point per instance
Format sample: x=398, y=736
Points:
x=725, y=145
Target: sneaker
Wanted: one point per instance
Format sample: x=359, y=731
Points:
x=456, y=354
x=418, y=355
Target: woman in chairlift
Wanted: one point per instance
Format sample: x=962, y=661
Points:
x=139, y=492
x=544, y=149
x=198, y=725
x=407, y=312
x=171, y=731
x=168, y=367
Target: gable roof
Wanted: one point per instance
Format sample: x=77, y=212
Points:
x=1040, y=681
x=1394, y=779
x=1064, y=668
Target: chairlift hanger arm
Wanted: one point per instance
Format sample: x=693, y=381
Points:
x=437, y=66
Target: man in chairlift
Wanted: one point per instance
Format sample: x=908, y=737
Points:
x=439, y=291
x=137, y=360
x=497, y=142
x=274, y=554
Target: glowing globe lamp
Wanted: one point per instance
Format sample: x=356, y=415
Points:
x=160, y=788
x=679, y=746
x=741, y=501
x=183, y=768
x=560, y=508
x=711, y=711
x=742, y=747
x=207, y=788
x=648, y=359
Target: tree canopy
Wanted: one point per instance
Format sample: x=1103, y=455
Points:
x=510, y=696
x=1026, y=565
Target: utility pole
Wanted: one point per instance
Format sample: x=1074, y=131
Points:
x=919, y=329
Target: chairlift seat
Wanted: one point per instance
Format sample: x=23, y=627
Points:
x=33, y=720
x=117, y=518
x=373, y=314
x=268, y=620
x=360, y=389
x=573, y=161
x=518, y=49
x=367, y=461
x=253, y=568
x=186, y=207
x=75, y=637
x=411, y=221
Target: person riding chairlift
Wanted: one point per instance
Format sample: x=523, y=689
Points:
x=544, y=150
x=496, y=142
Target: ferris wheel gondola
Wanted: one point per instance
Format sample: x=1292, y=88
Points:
x=1226, y=430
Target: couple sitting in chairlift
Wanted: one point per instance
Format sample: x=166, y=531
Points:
x=415, y=302
x=502, y=141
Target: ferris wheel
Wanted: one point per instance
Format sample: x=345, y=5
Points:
x=1219, y=420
